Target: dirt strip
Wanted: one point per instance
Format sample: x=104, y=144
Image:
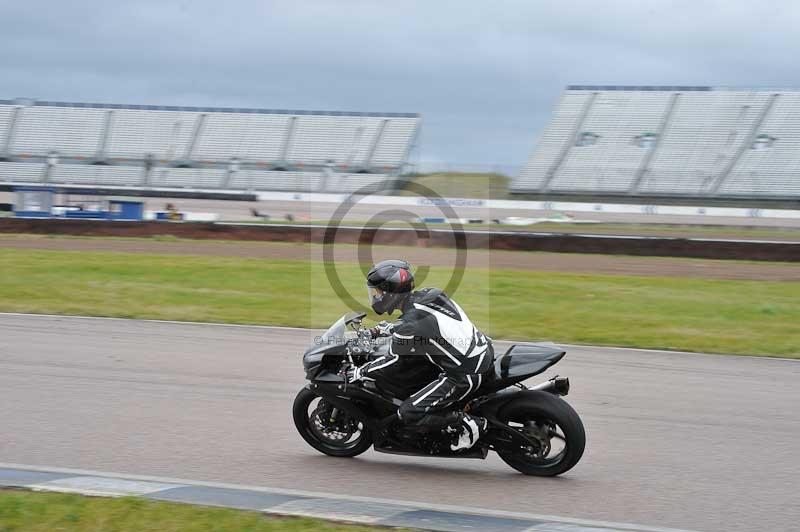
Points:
x=548, y=262
x=418, y=236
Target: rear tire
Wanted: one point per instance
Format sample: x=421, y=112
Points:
x=303, y=423
x=544, y=407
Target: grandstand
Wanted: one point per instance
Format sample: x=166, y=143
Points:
x=142, y=146
x=668, y=143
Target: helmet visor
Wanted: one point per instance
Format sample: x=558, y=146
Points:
x=375, y=295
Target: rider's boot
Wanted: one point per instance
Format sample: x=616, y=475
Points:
x=470, y=429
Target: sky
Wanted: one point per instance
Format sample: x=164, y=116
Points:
x=484, y=75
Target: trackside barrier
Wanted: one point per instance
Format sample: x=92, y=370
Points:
x=616, y=208
x=621, y=208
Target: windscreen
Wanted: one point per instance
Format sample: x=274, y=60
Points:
x=334, y=335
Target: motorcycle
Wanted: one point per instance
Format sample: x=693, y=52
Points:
x=532, y=429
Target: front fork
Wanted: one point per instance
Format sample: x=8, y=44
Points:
x=334, y=415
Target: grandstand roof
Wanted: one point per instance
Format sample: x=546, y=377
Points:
x=669, y=88
x=678, y=88
x=43, y=103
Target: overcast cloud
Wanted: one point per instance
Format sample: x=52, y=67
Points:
x=484, y=75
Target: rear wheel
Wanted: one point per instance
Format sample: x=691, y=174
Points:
x=553, y=424
x=328, y=429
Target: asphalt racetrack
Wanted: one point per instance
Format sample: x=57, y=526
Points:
x=701, y=442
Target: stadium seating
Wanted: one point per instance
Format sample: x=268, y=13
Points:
x=201, y=148
x=84, y=174
x=22, y=172
x=774, y=167
x=70, y=131
x=612, y=161
x=136, y=133
x=6, y=112
x=551, y=148
x=668, y=141
x=248, y=136
x=704, y=134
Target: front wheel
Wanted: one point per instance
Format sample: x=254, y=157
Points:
x=552, y=422
x=328, y=429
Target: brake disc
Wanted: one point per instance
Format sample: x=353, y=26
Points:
x=540, y=433
x=334, y=430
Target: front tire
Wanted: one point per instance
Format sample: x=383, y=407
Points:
x=552, y=420
x=347, y=438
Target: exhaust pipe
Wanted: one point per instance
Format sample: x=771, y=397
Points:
x=557, y=385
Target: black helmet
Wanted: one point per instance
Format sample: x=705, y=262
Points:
x=388, y=284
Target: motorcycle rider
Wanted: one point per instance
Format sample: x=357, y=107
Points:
x=433, y=325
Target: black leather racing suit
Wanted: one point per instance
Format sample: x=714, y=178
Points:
x=433, y=325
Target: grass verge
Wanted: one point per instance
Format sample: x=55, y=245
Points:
x=723, y=316
x=46, y=512
x=463, y=185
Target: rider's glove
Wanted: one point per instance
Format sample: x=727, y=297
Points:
x=383, y=328
x=353, y=374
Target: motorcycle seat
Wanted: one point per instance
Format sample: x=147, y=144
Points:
x=526, y=359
